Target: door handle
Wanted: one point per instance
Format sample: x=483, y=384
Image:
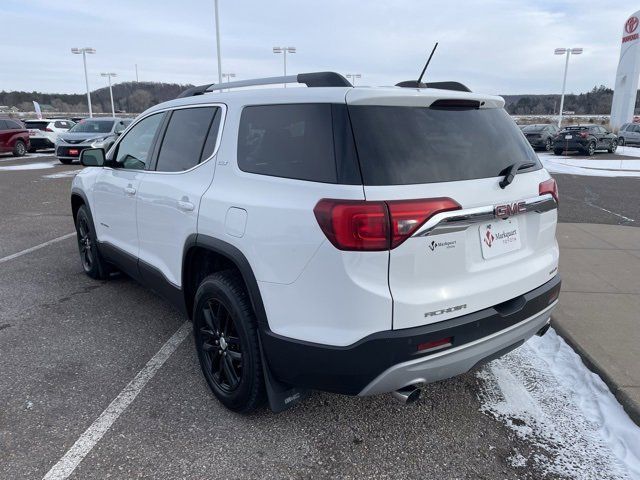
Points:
x=185, y=206
x=129, y=190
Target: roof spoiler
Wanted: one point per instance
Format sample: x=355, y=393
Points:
x=457, y=86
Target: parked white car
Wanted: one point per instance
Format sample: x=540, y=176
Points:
x=43, y=133
x=352, y=240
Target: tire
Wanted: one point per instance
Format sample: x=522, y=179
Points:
x=591, y=149
x=557, y=151
x=92, y=262
x=19, y=149
x=621, y=142
x=548, y=146
x=66, y=161
x=226, y=339
x=612, y=146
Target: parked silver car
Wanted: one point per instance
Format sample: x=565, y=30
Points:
x=629, y=134
x=89, y=133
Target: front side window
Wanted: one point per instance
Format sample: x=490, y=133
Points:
x=135, y=148
x=184, y=140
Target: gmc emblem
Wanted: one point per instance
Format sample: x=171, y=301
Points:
x=510, y=209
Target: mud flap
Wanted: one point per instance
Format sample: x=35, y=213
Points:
x=280, y=395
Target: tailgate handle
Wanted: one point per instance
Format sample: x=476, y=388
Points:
x=510, y=306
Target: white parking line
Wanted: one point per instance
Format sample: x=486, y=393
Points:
x=37, y=247
x=92, y=435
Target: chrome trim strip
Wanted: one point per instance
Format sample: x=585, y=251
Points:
x=459, y=220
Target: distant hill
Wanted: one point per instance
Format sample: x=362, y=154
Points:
x=595, y=102
x=132, y=97
x=135, y=97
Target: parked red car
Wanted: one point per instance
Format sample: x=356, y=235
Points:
x=14, y=137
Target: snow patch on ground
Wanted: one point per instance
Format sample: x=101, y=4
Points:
x=28, y=156
x=590, y=167
x=30, y=166
x=65, y=174
x=545, y=394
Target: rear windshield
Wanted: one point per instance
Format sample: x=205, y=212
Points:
x=92, y=126
x=533, y=128
x=410, y=145
x=36, y=125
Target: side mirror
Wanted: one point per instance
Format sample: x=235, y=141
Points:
x=92, y=157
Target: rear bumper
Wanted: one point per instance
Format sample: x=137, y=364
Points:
x=456, y=361
x=388, y=360
x=571, y=145
x=537, y=142
x=40, y=143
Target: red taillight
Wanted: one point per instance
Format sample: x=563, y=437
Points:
x=375, y=226
x=584, y=134
x=549, y=186
x=48, y=130
x=409, y=215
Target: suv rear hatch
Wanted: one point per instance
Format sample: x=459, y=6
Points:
x=455, y=148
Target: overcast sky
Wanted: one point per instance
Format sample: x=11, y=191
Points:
x=493, y=46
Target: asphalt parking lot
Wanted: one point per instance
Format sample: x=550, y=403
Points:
x=69, y=345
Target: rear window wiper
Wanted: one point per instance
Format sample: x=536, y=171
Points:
x=512, y=171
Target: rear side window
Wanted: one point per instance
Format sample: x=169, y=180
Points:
x=399, y=145
x=184, y=139
x=14, y=125
x=3, y=125
x=310, y=141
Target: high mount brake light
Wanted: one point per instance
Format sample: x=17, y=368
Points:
x=375, y=226
x=549, y=186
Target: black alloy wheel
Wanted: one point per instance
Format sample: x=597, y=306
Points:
x=92, y=262
x=222, y=352
x=85, y=244
x=226, y=337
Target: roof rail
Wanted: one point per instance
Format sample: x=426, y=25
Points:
x=315, y=79
x=457, y=86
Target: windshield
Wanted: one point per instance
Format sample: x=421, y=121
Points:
x=409, y=145
x=93, y=126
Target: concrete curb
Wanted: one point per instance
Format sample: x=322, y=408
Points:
x=628, y=404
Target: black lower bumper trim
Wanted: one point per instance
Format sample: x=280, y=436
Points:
x=349, y=369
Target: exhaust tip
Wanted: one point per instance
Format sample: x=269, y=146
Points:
x=543, y=330
x=407, y=394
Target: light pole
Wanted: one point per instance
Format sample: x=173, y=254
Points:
x=567, y=52
x=284, y=50
x=353, y=77
x=84, y=52
x=136, y=73
x=109, y=75
x=228, y=76
x=218, y=43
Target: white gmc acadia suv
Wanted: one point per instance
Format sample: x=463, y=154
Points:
x=351, y=240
